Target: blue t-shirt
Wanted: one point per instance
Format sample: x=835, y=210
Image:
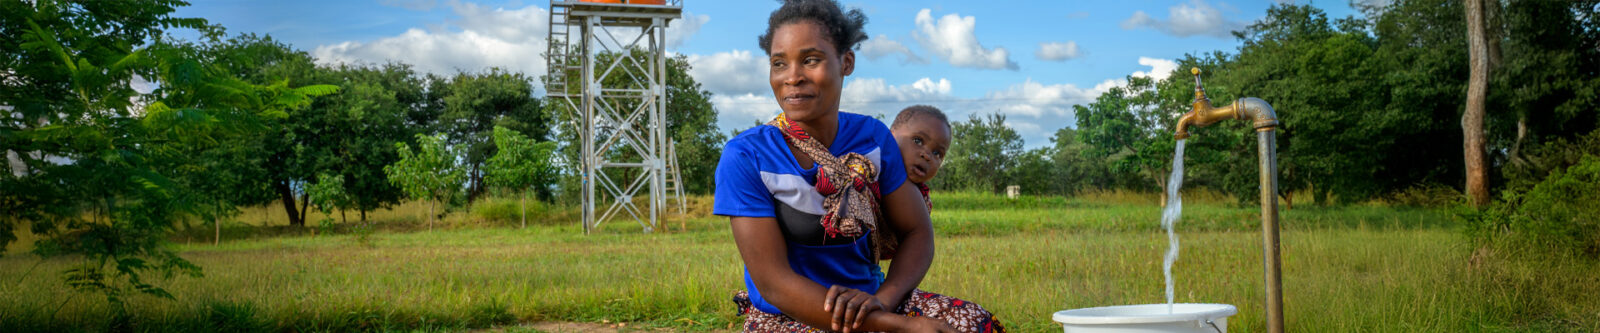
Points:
x=759, y=177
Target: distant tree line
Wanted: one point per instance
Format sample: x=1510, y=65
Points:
x=115, y=134
x=1370, y=107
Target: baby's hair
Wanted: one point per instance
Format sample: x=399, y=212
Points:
x=912, y=112
x=844, y=27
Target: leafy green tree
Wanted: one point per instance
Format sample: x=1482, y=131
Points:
x=474, y=103
x=328, y=195
x=428, y=173
x=692, y=125
x=1543, y=89
x=983, y=152
x=1127, y=127
x=522, y=165
x=1319, y=75
x=357, y=130
x=93, y=162
x=1072, y=172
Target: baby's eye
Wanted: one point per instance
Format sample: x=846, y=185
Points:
x=939, y=153
x=917, y=141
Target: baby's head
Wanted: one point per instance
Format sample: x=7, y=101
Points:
x=923, y=133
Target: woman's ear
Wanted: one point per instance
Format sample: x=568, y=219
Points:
x=847, y=63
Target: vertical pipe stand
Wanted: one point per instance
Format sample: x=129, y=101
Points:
x=1269, y=227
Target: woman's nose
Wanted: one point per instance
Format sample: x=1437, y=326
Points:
x=791, y=76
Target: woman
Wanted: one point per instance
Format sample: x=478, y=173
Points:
x=815, y=199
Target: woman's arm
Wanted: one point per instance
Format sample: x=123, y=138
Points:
x=765, y=254
x=908, y=214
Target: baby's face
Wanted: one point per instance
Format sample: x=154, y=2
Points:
x=923, y=142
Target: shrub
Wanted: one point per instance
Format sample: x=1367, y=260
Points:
x=1430, y=196
x=1557, y=214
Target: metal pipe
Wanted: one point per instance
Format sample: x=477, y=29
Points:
x=1265, y=122
x=1267, y=150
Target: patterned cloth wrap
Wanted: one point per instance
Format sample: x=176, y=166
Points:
x=964, y=316
x=849, y=188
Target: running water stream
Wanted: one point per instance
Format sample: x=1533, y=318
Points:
x=1169, y=216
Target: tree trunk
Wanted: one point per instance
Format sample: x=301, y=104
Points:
x=342, y=219
x=1161, y=185
x=1288, y=200
x=363, y=216
x=524, y=209
x=1474, y=148
x=430, y=214
x=305, y=206
x=286, y=195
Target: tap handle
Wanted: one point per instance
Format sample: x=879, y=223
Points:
x=1196, y=72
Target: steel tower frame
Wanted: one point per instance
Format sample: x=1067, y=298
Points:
x=625, y=149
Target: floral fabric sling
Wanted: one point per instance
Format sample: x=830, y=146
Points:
x=849, y=187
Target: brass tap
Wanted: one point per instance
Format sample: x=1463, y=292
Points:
x=1203, y=114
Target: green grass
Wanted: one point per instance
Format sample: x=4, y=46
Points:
x=1358, y=268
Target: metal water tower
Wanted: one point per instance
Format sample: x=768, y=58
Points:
x=611, y=82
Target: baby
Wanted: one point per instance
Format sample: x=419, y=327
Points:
x=923, y=133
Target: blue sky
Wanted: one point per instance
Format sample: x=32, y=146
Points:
x=1029, y=60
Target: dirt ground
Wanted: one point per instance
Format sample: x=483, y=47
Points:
x=572, y=327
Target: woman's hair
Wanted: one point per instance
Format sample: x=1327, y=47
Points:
x=912, y=112
x=844, y=27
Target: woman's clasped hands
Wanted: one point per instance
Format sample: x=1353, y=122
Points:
x=850, y=307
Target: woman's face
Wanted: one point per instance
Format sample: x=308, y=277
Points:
x=807, y=71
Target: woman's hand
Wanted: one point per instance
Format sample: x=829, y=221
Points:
x=925, y=324
x=849, y=306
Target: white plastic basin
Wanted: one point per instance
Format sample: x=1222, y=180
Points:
x=1143, y=318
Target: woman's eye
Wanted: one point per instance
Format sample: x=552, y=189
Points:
x=813, y=61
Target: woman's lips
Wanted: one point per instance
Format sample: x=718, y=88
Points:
x=798, y=98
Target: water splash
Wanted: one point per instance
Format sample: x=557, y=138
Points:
x=1169, y=216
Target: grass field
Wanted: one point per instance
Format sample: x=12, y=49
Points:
x=1346, y=269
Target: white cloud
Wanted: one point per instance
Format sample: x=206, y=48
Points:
x=881, y=46
x=679, y=30
x=737, y=112
x=1160, y=69
x=952, y=38
x=1053, y=51
x=731, y=73
x=481, y=38
x=1035, y=99
x=875, y=96
x=1186, y=19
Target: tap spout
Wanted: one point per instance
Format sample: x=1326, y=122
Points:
x=1249, y=108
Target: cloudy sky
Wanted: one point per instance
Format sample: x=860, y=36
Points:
x=1029, y=60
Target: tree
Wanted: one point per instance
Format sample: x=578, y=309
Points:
x=357, y=129
x=1127, y=127
x=1072, y=172
x=473, y=104
x=981, y=155
x=93, y=162
x=429, y=173
x=328, y=195
x=1474, y=147
x=522, y=165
